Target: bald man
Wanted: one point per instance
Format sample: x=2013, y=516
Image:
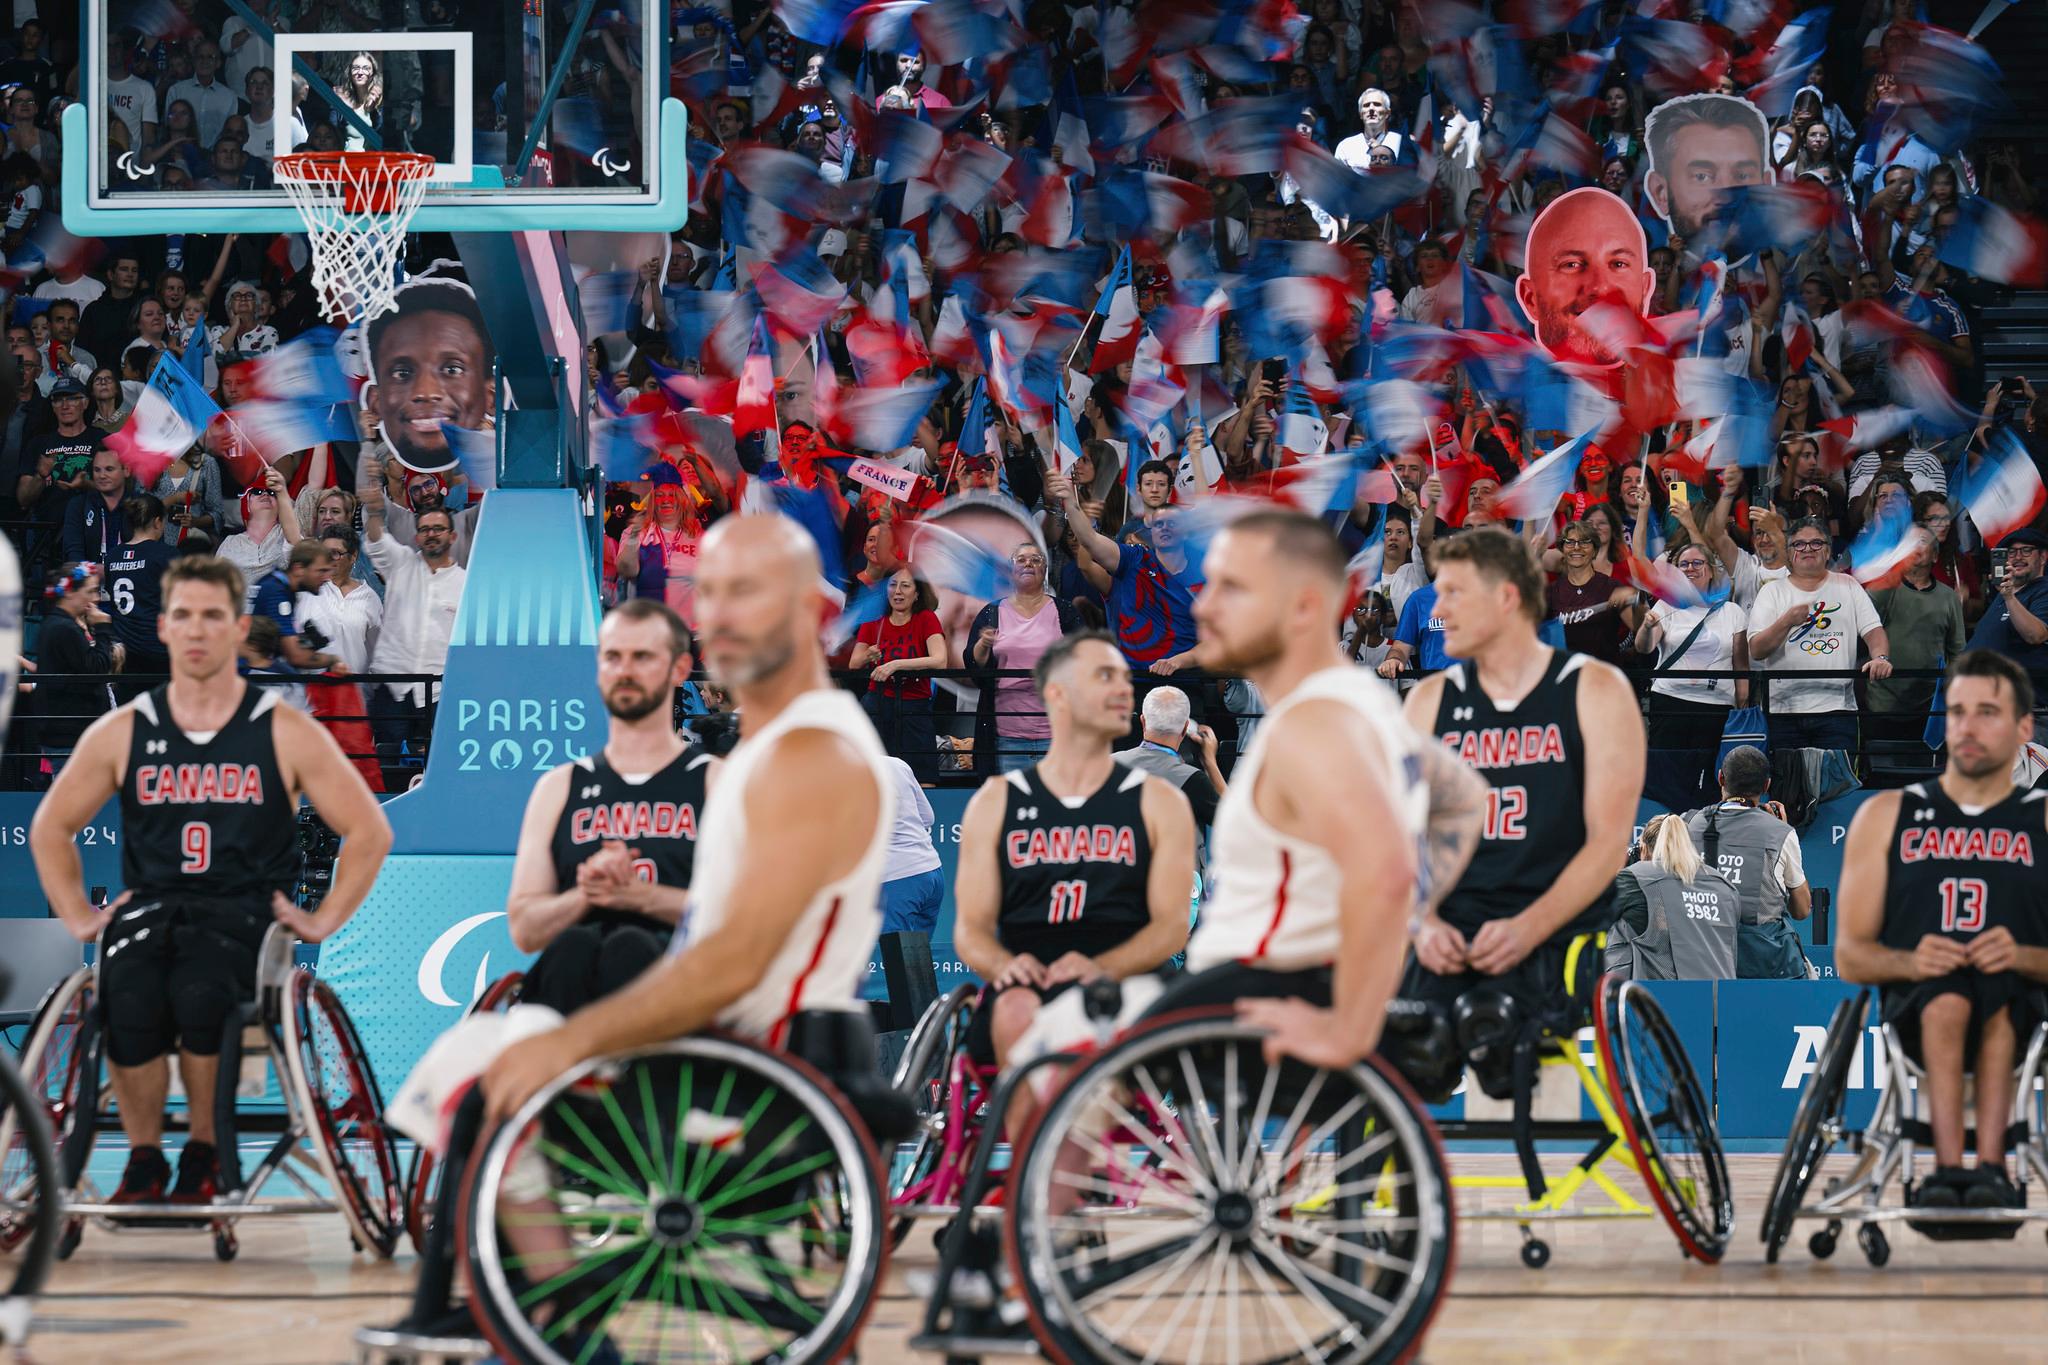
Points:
x=782, y=911
x=1586, y=248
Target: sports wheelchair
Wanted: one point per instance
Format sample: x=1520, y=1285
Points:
x=329, y=1130
x=1154, y=1212
x=1650, y=1111
x=28, y=1225
x=1890, y=1147
x=704, y=1198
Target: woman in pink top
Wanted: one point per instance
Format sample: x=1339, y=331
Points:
x=1009, y=635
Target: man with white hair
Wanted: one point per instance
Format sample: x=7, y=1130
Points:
x=1167, y=713
x=1375, y=117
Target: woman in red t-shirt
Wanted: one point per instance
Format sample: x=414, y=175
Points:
x=901, y=648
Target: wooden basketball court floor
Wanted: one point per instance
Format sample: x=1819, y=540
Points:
x=1614, y=1291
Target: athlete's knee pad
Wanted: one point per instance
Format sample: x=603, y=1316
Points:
x=1421, y=1044
x=1489, y=1024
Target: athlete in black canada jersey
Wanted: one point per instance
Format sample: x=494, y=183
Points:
x=1074, y=869
x=1559, y=739
x=609, y=841
x=1945, y=908
x=209, y=770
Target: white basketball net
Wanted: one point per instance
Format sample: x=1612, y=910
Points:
x=356, y=206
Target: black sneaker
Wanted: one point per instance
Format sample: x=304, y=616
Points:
x=1943, y=1189
x=144, y=1178
x=198, y=1175
x=1991, y=1188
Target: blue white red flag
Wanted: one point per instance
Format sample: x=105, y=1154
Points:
x=2003, y=492
x=169, y=417
x=1533, y=494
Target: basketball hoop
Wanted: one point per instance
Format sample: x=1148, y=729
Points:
x=356, y=206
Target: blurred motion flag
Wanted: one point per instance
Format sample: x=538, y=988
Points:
x=2004, y=491
x=1879, y=556
x=1994, y=243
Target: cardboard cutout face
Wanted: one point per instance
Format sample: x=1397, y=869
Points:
x=428, y=365
x=1585, y=248
x=1700, y=145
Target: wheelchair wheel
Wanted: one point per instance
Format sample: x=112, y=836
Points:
x=423, y=1173
x=345, y=1111
x=53, y=1106
x=1814, y=1124
x=1160, y=1207
x=1665, y=1116
x=705, y=1158
x=30, y=1208
x=926, y=1075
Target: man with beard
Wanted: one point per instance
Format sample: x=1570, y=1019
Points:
x=1586, y=248
x=1700, y=145
x=1945, y=910
x=1341, y=824
x=430, y=364
x=609, y=841
x=782, y=921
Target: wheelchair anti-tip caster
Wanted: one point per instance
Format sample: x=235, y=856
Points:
x=1822, y=1244
x=67, y=1241
x=1535, y=1253
x=226, y=1246
x=1877, y=1249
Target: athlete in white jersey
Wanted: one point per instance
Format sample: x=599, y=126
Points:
x=782, y=910
x=1339, y=823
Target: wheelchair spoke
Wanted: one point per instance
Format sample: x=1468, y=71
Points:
x=540, y=1292
x=567, y=1160
x=648, y=1173
x=1191, y=1253
x=1199, y=1110
x=1093, y=1184
x=772, y=1179
x=804, y=1309
x=720, y=1153
x=625, y=1184
x=708, y=1155
x=1272, y=1299
x=1219, y=1261
x=1262, y=1112
x=1140, y=1130
x=1302, y=1107
x=1299, y=1273
x=679, y=1162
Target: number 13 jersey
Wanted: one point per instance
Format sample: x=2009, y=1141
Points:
x=1534, y=761
x=206, y=815
x=1958, y=872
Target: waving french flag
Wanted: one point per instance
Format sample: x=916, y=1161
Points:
x=799, y=293
x=876, y=419
x=2004, y=492
x=1534, y=493
x=945, y=558
x=1994, y=243
x=1880, y=554
x=1782, y=68
x=303, y=370
x=170, y=416
x=1067, y=438
x=1668, y=584
x=619, y=447
x=1117, y=306
x=1302, y=433
x=871, y=603
x=274, y=430
x=1364, y=568
x=754, y=406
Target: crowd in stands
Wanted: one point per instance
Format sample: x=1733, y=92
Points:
x=1117, y=267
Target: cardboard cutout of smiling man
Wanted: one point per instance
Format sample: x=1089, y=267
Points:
x=1585, y=248
x=1700, y=145
x=430, y=362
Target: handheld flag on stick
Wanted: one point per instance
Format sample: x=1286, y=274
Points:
x=170, y=416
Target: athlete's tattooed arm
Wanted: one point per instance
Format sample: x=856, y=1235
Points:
x=1457, y=812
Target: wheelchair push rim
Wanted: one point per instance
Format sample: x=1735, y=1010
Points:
x=927, y=1073
x=344, y=1113
x=1807, y=1145
x=1665, y=1117
x=52, y=1072
x=423, y=1174
x=707, y=1231
x=1196, y=1242
x=29, y=1215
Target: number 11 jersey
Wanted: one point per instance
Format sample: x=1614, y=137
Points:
x=1073, y=872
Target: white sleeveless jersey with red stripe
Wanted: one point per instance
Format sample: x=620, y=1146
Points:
x=1275, y=904
x=821, y=964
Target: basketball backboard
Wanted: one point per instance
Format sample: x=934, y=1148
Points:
x=540, y=114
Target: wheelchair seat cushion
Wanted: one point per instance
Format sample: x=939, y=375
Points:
x=1420, y=1043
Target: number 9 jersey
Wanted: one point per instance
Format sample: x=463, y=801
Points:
x=1956, y=872
x=206, y=815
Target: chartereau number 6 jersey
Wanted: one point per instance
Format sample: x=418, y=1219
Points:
x=1073, y=873
x=1957, y=873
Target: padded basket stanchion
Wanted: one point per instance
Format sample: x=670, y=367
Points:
x=356, y=206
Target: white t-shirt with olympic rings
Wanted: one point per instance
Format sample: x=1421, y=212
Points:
x=1838, y=613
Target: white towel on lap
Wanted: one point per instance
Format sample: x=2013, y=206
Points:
x=427, y=1100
